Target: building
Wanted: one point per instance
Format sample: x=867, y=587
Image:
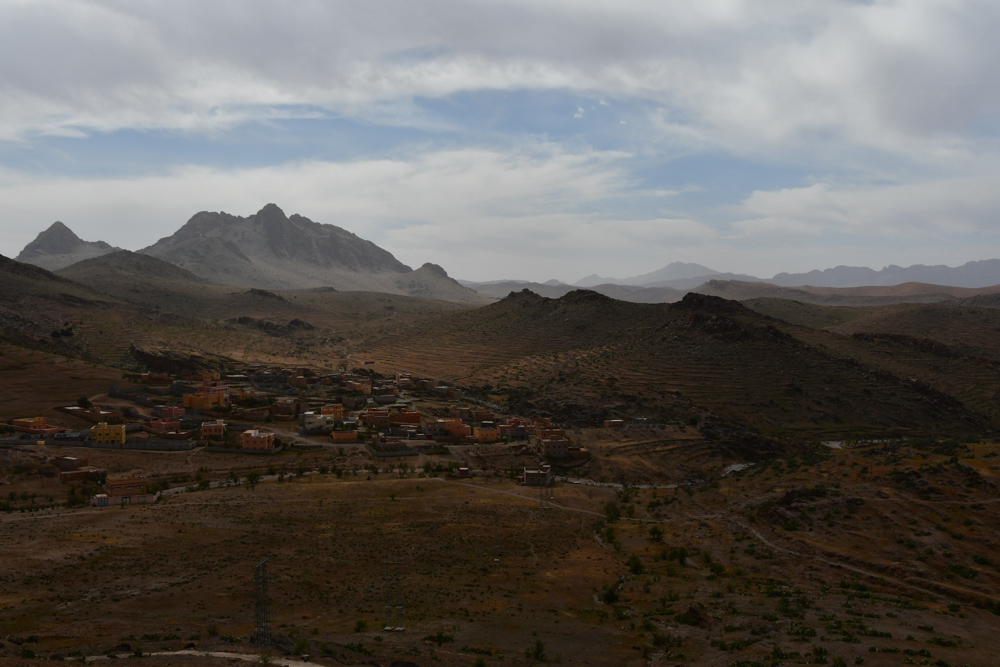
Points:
x=213, y=430
x=169, y=411
x=311, y=421
x=35, y=425
x=68, y=463
x=333, y=410
x=406, y=417
x=377, y=417
x=344, y=436
x=108, y=433
x=537, y=476
x=614, y=423
x=555, y=448
x=202, y=401
x=154, y=378
x=162, y=425
x=130, y=484
x=455, y=428
x=486, y=432
x=254, y=439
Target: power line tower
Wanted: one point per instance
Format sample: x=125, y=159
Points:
x=496, y=538
x=393, y=591
x=262, y=611
x=544, y=496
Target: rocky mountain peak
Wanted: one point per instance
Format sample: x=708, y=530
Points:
x=57, y=239
x=58, y=246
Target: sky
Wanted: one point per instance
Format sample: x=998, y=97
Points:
x=512, y=138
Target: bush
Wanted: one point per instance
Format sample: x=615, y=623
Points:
x=301, y=646
x=635, y=564
x=361, y=626
x=440, y=638
x=536, y=652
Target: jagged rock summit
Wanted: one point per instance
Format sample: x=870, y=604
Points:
x=273, y=251
x=58, y=247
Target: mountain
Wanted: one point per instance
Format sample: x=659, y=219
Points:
x=499, y=290
x=972, y=274
x=141, y=279
x=875, y=295
x=672, y=271
x=269, y=250
x=58, y=247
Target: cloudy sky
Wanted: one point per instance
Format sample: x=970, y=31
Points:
x=516, y=139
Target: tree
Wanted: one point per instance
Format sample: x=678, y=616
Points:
x=656, y=534
x=252, y=478
x=611, y=511
x=83, y=402
x=635, y=564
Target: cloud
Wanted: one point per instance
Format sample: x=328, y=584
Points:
x=957, y=206
x=912, y=78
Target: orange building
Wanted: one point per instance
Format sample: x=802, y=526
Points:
x=486, y=434
x=111, y=433
x=131, y=484
x=254, y=439
x=334, y=410
x=406, y=417
x=344, y=436
x=36, y=425
x=455, y=427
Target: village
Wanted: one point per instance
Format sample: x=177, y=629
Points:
x=399, y=421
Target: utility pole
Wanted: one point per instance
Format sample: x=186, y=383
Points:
x=496, y=538
x=262, y=611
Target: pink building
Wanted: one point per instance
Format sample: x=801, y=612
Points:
x=162, y=425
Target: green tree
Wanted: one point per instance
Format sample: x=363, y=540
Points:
x=252, y=478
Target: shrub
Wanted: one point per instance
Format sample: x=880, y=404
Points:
x=536, y=652
x=361, y=626
x=440, y=638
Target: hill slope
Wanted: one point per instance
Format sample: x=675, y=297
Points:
x=58, y=246
x=585, y=356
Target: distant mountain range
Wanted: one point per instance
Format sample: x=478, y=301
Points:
x=683, y=276
x=267, y=250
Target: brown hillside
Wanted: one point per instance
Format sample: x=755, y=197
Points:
x=588, y=356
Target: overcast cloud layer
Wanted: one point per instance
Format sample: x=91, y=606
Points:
x=516, y=139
